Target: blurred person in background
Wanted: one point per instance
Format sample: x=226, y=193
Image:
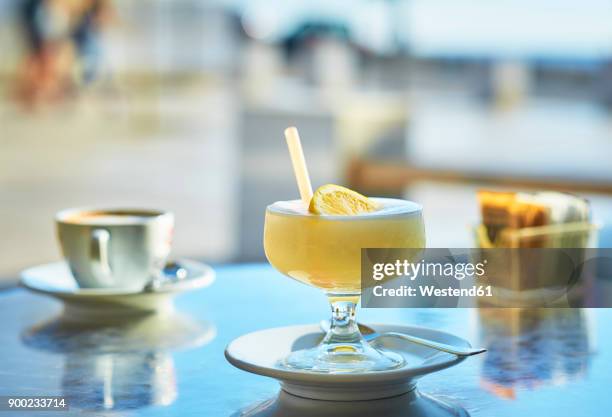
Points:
x=63, y=47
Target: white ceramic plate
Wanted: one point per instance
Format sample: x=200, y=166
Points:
x=56, y=280
x=260, y=352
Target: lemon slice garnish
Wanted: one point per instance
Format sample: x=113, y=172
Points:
x=333, y=199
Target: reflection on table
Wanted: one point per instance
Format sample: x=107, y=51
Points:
x=119, y=365
x=529, y=348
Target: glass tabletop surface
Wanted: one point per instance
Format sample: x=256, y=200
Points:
x=174, y=364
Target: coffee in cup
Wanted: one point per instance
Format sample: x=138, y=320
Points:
x=115, y=248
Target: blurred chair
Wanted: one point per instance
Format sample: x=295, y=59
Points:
x=371, y=127
x=541, y=145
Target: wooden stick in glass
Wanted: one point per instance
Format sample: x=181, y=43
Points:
x=299, y=164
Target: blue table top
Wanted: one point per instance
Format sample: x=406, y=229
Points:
x=540, y=362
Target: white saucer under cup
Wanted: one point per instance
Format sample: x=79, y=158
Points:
x=261, y=352
x=85, y=304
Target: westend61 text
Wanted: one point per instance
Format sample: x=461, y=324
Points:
x=433, y=291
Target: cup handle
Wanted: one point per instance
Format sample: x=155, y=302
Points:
x=98, y=251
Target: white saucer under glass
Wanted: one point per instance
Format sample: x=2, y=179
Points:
x=261, y=351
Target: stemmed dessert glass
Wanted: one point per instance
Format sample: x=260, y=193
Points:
x=324, y=251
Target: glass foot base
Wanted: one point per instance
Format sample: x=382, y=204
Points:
x=341, y=358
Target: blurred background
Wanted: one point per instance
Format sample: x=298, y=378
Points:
x=181, y=105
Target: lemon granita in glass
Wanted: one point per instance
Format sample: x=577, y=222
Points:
x=323, y=249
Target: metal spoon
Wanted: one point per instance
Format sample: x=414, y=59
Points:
x=172, y=273
x=369, y=334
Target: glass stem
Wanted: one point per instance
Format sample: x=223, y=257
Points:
x=343, y=327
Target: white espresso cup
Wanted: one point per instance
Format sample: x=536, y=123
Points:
x=115, y=248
